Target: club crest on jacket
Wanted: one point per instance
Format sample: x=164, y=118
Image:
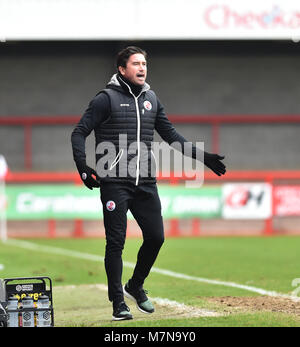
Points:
x=110, y=205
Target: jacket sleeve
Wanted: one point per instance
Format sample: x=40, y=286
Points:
x=169, y=134
x=97, y=112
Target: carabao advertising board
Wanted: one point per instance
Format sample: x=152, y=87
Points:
x=30, y=202
x=227, y=201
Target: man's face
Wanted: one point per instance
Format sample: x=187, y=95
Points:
x=135, y=70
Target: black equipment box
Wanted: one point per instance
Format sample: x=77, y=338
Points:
x=22, y=287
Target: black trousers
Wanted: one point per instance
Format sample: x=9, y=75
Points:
x=144, y=203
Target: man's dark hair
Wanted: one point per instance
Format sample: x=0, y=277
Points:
x=123, y=56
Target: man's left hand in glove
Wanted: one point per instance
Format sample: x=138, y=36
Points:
x=213, y=162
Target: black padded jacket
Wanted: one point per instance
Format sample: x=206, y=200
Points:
x=124, y=121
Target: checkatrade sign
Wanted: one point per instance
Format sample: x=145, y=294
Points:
x=260, y=20
x=192, y=19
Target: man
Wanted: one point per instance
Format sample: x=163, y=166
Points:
x=128, y=108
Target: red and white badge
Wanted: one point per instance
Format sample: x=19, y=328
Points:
x=110, y=205
x=147, y=105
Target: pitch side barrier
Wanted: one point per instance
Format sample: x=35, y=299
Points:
x=215, y=121
x=244, y=196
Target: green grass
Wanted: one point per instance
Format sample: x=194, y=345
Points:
x=270, y=263
x=238, y=320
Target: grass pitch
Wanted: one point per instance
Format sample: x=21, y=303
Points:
x=269, y=263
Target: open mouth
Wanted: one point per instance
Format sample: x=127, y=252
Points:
x=140, y=75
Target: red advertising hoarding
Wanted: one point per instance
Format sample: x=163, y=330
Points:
x=286, y=200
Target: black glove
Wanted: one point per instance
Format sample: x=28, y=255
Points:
x=86, y=174
x=213, y=161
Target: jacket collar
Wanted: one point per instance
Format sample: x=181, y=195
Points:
x=114, y=83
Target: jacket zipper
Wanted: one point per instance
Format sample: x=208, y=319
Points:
x=138, y=135
x=138, y=117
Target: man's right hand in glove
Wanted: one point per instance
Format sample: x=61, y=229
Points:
x=88, y=176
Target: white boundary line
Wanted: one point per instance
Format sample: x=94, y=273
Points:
x=179, y=307
x=97, y=258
